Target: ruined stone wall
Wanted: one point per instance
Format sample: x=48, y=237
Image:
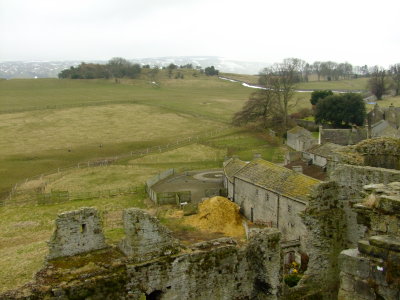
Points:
x=326, y=226
x=351, y=179
x=372, y=270
x=217, y=269
x=222, y=273
x=145, y=238
x=76, y=232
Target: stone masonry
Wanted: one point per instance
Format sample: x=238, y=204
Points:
x=372, y=270
x=217, y=269
x=76, y=232
x=145, y=238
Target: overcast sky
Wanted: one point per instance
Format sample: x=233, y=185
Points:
x=356, y=31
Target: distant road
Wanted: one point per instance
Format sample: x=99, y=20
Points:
x=254, y=86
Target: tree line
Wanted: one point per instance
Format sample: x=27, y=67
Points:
x=270, y=106
x=115, y=68
x=330, y=70
x=118, y=67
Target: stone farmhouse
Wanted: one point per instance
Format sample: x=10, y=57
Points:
x=270, y=194
x=300, y=139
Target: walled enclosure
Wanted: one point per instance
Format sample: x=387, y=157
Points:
x=217, y=269
x=76, y=232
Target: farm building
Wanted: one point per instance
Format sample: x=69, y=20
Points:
x=300, y=139
x=273, y=195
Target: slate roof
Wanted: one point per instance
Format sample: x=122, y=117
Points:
x=232, y=167
x=277, y=178
x=325, y=150
x=298, y=130
x=383, y=129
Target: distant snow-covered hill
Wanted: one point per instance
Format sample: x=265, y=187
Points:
x=45, y=69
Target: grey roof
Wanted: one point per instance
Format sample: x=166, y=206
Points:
x=277, y=178
x=232, y=166
x=325, y=150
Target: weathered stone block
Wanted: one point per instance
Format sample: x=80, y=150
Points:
x=389, y=204
x=346, y=282
x=145, y=238
x=386, y=242
x=352, y=263
x=76, y=232
x=366, y=248
x=364, y=290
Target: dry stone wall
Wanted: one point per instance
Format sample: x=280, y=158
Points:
x=76, y=232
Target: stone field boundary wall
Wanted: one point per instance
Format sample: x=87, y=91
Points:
x=166, y=197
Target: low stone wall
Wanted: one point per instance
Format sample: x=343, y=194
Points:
x=152, y=181
x=173, y=197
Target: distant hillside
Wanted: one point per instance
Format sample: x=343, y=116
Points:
x=34, y=69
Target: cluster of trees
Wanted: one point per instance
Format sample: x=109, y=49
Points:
x=340, y=110
x=270, y=105
x=115, y=68
x=381, y=80
x=211, y=71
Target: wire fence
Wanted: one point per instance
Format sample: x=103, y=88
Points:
x=44, y=179
x=56, y=196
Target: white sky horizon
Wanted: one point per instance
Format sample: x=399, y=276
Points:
x=354, y=31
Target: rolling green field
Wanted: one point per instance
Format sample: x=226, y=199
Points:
x=46, y=124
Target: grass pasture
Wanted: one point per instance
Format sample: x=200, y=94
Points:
x=40, y=120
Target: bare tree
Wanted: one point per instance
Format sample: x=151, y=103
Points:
x=281, y=79
x=377, y=82
x=260, y=107
x=395, y=75
x=317, y=69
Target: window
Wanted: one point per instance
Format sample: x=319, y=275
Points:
x=289, y=208
x=266, y=196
